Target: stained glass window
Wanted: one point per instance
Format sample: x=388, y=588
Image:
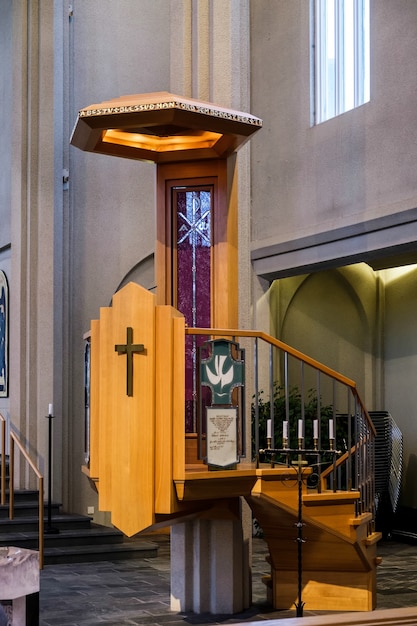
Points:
x=192, y=276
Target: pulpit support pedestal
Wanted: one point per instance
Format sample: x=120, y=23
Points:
x=209, y=567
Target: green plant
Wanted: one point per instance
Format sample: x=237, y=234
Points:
x=312, y=410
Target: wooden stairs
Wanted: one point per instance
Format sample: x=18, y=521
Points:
x=338, y=552
x=78, y=539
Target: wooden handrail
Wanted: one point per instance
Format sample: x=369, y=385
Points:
x=14, y=440
x=227, y=332
x=360, y=412
x=3, y=461
x=278, y=344
x=341, y=459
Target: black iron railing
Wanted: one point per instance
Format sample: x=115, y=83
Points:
x=292, y=395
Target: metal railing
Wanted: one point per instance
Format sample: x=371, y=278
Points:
x=15, y=441
x=285, y=385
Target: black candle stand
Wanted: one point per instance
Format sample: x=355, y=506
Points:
x=49, y=530
x=300, y=462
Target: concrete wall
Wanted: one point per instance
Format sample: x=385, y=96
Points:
x=29, y=163
x=6, y=96
x=400, y=345
x=194, y=49
x=355, y=167
x=338, y=193
x=307, y=195
x=114, y=49
x=331, y=316
x=76, y=226
x=363, y=324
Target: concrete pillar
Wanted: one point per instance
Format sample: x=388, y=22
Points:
x=209, y=567
x=181, y=562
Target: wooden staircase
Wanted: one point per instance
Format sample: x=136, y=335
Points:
x=338, y=553
x=339, y=549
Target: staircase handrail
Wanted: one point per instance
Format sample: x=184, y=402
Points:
x=3, y=461
x=15, y=440
x=338, y=462
x=359, y=469
x=223, y=332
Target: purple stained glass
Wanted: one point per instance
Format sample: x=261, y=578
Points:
x=193, y=279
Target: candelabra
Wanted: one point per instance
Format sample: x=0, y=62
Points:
x=299, y=462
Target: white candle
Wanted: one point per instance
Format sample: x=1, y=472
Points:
x=331, y=434
x=300, y=429
x=285, y=430
x=316, y=429
x=50, y=409
x=268, y=429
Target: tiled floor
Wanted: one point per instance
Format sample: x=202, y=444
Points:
x=121, y=593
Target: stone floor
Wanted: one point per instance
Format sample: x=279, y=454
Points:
x=121, y=593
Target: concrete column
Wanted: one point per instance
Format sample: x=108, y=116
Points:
x=226, y=567
x=181, y=562
x=201, y=574
x=209, y=567
x=32, y=227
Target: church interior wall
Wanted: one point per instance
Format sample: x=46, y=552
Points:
x=7, y=99
x=400, y=347
x=26, y=200
x=357, y=166
x=335, y=193
x=361, y=323
x=112, y=199
x=294, y=180
x=330, y=316
x=5, y=169
x=111, y=232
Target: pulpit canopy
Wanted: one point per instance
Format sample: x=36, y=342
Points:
x=162, y=128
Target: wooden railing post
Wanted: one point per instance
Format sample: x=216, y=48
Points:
x=11, y=478
x=14, y=440
x=41, y=524
x=3, y=461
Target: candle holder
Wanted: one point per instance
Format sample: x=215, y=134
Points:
x=49, y=528
x=268, y=443
x=299, y=463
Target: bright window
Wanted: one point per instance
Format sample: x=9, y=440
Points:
x=341, y=63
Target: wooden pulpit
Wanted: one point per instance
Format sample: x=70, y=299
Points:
x=137, y=408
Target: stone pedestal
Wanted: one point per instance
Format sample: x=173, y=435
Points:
x=209, y=567
x=19, y=585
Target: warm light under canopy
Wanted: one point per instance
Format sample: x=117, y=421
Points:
x=162, y=128
x=198, y=139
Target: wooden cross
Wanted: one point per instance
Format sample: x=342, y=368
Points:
x=129, y=348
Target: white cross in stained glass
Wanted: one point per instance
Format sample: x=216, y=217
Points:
x=196, y=221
